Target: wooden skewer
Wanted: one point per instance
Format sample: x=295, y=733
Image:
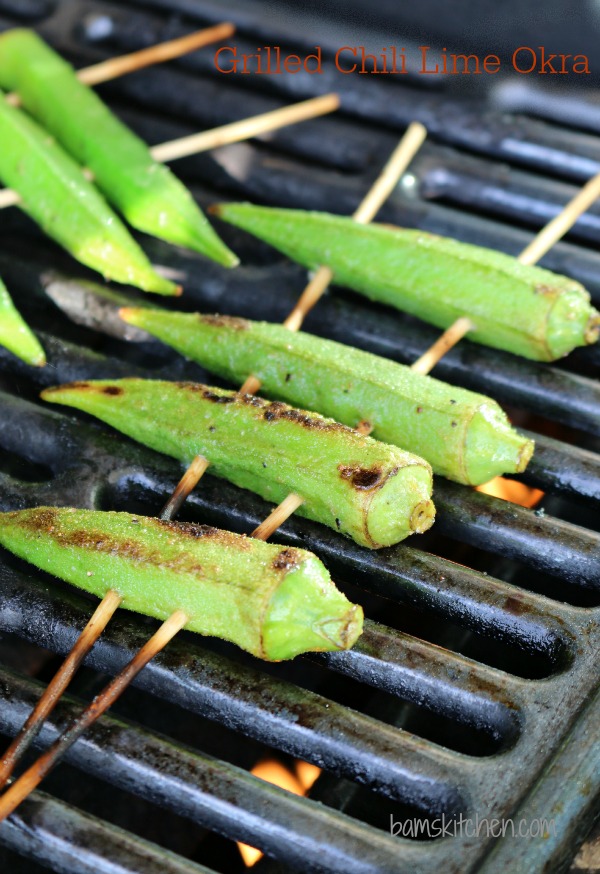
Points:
x=58, y=684
x=186, y=484
x=34, y=775
x=563, y=222
x=399, y=160
x=218, y=136
x=277, y=517
x=531, y=254
x=449, y=338
x=157, y=54
x=246, y=128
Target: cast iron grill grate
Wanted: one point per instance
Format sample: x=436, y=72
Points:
x=468, y=682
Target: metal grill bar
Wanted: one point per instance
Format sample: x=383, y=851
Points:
x=208, y=791
x=71, y=842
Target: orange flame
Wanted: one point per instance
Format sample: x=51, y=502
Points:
x=298, y=781
x=513, y=491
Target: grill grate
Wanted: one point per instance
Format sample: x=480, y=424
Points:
x=480, y=679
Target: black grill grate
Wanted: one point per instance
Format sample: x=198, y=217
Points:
x=468, y=683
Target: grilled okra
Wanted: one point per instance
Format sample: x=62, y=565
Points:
x=373, y=492
x=15, y=335
x=463, y=435
x=523, y=309
x=272, y=601
x=150, y=197
x=55, y=193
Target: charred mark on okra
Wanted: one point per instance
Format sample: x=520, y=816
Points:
x=287, y=560
x=218, y=321
x=363, y=478
x=278, y=410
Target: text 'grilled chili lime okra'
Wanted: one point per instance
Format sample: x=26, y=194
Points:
x=463, y=435
x=275, y=602
x=370, y=491
x=517, y=307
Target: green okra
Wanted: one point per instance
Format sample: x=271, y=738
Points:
x=275, y=602
x=523, y=309
x=463, y=435
x=151, y=198
x=67, y=207
x=370, y=491
x=15, y=334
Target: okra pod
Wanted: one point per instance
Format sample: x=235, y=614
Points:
x=67, y=207
x=150, y=197
x=275, y=602
x=370, y=491
x=463, y=435
x=523, y=309
x=15, y=334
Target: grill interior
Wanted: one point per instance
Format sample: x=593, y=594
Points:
x=472, y=690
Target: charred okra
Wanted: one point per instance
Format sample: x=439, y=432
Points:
x=55, y=193
x=463, y=435
x=150, y=197
x=373, y=492
x=523, y=309
x=275, y=602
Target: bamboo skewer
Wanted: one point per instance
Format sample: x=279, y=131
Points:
x=399, y=160
x=543, y=241
x=34, y=775
x=277, y=517
x=58, y=684
x=245, y=129
x=113, y=68
x=186, y=484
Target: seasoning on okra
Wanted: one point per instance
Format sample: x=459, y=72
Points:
x=463, y=435
x=370, y=491
x=275, y=602
x=15, y=335
x=523, y=309
x=150, y=197
x=67, y=207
